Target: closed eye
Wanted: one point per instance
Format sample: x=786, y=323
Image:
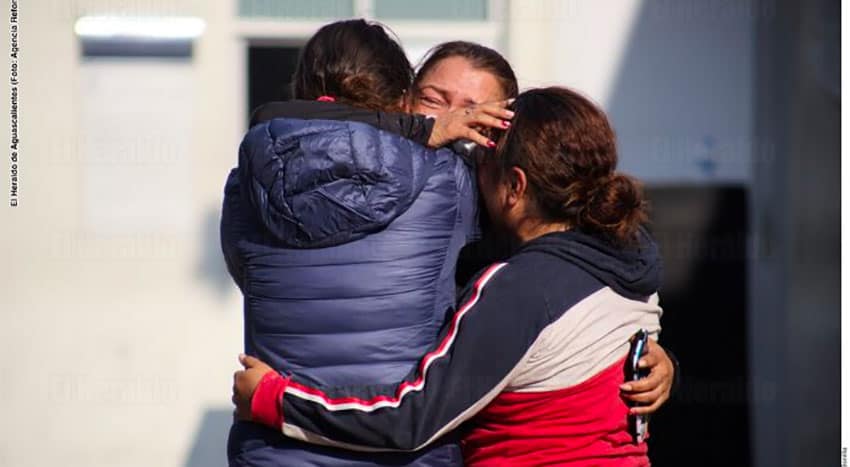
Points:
x=432, y=102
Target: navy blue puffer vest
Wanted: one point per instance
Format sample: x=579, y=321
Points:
x=343, y=239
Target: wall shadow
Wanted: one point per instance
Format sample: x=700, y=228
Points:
x=210, y=446
x=682, y=106
x=703, y=236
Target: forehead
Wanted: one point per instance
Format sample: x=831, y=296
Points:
x=462, y=81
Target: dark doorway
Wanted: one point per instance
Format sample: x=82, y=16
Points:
x=702, y=232
x=270, y=69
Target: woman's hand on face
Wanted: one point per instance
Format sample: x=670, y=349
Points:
x=653, y=390
x=245, y=382
x=466, y=123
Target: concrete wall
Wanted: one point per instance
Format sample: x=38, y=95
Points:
x=795, y=306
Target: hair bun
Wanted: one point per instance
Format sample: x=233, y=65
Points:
x=615, y=205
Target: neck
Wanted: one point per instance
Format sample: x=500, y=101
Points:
x=530, y=229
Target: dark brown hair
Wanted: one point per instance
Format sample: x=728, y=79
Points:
x=481, y=57
x=356, y=62
x=567, y=149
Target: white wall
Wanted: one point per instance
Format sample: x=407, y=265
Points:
x=115, y=343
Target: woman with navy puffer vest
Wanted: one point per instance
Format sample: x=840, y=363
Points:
x=342, y=230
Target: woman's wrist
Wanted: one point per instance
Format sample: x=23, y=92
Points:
x=267, y=401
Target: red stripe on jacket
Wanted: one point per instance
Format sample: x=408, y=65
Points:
x=580, y=426
x=268, y=400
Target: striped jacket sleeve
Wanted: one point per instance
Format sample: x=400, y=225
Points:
x=478, y=352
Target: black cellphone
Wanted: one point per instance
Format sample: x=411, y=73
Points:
x=638, y=343
x=464, y=147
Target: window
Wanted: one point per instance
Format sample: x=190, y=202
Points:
x=296, y=8
x=445, y=10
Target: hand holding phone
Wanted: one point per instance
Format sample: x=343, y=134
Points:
x=637, y=423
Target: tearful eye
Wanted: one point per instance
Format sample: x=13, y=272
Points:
x=432, y=102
